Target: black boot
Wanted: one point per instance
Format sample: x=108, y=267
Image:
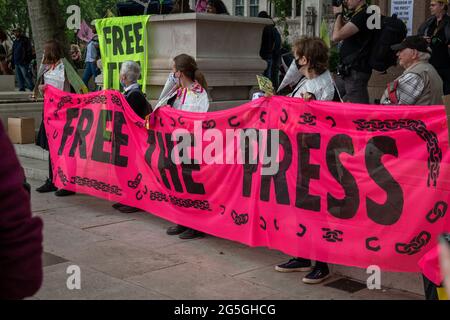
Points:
x=63, y=193
x=48, y=186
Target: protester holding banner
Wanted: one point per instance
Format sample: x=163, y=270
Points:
x=436, y=31
x=129, y=75
x=311, y=57
x=57, y=72
x=190, y=96
x=420, y=83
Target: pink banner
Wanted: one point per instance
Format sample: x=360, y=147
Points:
x=355, y=185
x=85, y=33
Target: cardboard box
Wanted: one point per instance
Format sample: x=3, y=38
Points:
x=21, y=130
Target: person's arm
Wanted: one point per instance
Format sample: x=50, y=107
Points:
x=410, y=88
x=342, y=31
x=20, y=233
x=444, y=257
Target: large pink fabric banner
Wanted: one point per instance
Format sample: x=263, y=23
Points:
x=350, y=184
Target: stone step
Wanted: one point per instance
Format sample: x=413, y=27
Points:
x=15, y=96
x=34, y=169
x=31, y=151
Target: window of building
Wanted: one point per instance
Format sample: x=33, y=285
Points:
x=298, y=8
x=254, y=8
x=239, y=7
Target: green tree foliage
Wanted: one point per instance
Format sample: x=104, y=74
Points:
x=14, y=13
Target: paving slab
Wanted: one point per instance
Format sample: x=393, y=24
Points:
x=94, y=285
x=191, y=281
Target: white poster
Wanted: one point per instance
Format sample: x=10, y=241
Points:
x=404, y=10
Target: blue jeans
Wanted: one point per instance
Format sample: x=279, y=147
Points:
x=91, y=70
x=268, y=72
x=24, y=77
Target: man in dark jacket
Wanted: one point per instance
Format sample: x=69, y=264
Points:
x=20, y=233
x=21, y=58
x=130, y=72
x=436, y=31
x=270, y=50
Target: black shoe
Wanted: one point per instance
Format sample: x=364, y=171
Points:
x=191, y=234
x=318, y=275
x=117, y=205
x=63, y=193
x=175, y=230
x=48, y=186
x=295, y=265
x=128, y=209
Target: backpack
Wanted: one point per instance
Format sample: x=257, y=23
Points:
x=393, y=31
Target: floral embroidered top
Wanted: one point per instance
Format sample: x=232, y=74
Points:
x=194, y=99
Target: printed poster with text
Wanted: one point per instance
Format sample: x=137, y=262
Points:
x=122, y=39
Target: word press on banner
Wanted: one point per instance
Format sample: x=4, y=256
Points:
x=122, y=39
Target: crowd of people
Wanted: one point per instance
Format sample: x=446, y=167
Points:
x=425, y=58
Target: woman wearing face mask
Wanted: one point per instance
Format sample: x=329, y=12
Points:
x=188, y=93
x=311, y=58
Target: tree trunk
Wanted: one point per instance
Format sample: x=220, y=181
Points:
x=47, y=24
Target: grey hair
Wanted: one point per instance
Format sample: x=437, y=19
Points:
x=423, y=56
x=131, y=70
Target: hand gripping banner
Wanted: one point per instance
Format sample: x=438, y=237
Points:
x=349, y=184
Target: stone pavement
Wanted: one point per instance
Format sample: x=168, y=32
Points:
x=129, y=256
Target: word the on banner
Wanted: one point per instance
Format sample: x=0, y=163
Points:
x=356, y=185
x=122, y=39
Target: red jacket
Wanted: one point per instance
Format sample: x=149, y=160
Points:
x=20, y=233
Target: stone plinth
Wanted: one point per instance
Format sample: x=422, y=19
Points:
x=226, y=49
x=7, y=83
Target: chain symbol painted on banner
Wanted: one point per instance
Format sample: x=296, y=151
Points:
x=179, y=120
x=416, y=244
x=223, y=210
x=208, y=124
x=97, y=185
x=174, y=123
x=438, y=212
x=158, y=196
x=308, y=119
x=417, y=126
x=333, y=122
x=62, y=177
x=301, y=233
x=286, y=116
x=55, y=134
x=332, y=235
x=264, y=224
x=239, y=219
x=189, y=203
x=101, y=99
x=64, y=100
x=230, y=122
x=369, y=245
x=140, y=194
x=139, y=124
x=275, y=224
x=133, y=184
x=116, y=100
x=261, y=116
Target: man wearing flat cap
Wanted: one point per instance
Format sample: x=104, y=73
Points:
x=420, y=84
x=436, y=30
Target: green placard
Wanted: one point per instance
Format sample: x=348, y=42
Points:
x=122, y=39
